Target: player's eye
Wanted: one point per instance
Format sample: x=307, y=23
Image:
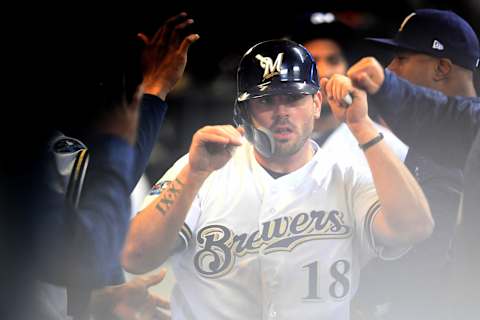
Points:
x=333, y=59
x=401, y=56
x=266, y=101
x=292, y=98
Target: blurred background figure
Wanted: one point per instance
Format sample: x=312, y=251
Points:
x=108, y=91
x=435, y=49
x=332, y=45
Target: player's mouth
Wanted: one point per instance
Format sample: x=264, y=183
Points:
x=282, y=133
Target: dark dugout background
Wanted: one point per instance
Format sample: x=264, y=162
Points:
x=49, y=58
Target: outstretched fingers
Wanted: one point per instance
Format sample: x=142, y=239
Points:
x=164, y=32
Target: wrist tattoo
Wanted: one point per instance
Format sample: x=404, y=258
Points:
x=169, y=195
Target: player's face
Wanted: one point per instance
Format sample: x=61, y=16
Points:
x=328, y=57
x=414, y=67
x=290, y=118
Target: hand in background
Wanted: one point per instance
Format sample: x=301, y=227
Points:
x=165, y=55
x=130, y=301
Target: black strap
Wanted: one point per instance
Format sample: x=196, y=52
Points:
x=372, y=142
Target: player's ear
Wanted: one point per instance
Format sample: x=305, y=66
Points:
x=443, y=68
x=317, y=104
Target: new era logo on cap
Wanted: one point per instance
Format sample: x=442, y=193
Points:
x=437, y=45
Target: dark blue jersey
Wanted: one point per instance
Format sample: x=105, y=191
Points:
x=440, y=127
x=79, y=244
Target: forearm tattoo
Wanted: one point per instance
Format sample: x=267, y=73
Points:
x=168, y=196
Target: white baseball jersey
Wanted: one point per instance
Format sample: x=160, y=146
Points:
x=265, y=248
x=344, y=147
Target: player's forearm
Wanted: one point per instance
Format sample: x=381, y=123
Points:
x=404, y=206
x=154, y=230
x=422, y=118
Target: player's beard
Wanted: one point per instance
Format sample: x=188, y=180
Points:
x=286, y=148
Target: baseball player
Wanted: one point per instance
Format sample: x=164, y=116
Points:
x=273, y=228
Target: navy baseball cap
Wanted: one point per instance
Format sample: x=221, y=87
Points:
x=440, y=33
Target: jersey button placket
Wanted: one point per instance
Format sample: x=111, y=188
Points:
x=268, y=204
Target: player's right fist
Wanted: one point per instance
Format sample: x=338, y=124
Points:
x=367, y=74
x=213, y=146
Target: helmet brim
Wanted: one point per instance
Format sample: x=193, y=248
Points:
x=270, y=89
x=391, y=44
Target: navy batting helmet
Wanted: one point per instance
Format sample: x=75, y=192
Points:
x=273, y=67
x=276, y=67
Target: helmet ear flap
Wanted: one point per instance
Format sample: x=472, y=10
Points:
x=261, y=138
x=240, y=118
x=237, y=115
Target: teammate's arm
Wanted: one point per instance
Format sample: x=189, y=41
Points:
x=422, y=117
x=404, y=217
x=164, y=58
x=154, y=230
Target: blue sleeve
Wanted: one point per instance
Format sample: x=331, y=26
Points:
x=100, y=222
x=79, y=247
x=442, y=127
x=152, y=114
x=98, y=227
x=114, y=170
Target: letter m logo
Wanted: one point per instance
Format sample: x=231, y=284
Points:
x=270, y=68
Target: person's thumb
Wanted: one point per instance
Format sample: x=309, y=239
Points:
x=188, y=41
x=155, y=278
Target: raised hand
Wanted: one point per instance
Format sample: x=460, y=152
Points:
x=367, y=74
x=165, y=55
